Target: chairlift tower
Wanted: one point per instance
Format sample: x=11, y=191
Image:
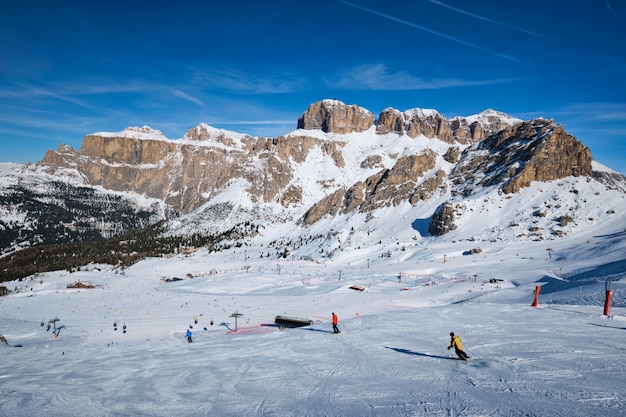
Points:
x=236, y=315
x=54, y=323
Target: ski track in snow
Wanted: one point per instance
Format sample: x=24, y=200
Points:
x=390, y=358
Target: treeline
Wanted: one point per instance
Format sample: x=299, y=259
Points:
x=122, y=251
x=59, y=213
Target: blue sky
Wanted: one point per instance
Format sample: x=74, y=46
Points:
x=70, y=68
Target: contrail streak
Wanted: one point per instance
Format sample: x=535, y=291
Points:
x=442, y=35
x=495, y=22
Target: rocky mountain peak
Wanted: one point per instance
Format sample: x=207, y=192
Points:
x=201, y=132
x=415, y=122
x=135, y=132
x=205, y=133
x=312, y=176
x=537, y=150
x=492, y=120
x=333, y=116
x=431, y=124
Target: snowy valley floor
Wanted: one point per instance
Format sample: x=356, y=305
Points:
x=559, y=359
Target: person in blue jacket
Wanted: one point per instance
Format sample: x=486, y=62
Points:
x=189, y=340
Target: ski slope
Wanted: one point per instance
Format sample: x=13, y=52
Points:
x=563, y=358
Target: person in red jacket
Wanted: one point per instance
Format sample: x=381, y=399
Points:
x=455, y=342
x=335, y=321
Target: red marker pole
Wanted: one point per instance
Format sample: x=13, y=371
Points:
x=607, y=302
x=536, y=301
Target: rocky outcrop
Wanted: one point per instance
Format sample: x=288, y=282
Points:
x=188, y=172
x=539, y=150
x=173, y=172
x=452, y=155
x=465, y=132
x=333, y=116
x=431, y=124
x=442, y=221
x=612, y=180
x=405, y=182
x=191, y=171
x=372, y=161
x=415, y=122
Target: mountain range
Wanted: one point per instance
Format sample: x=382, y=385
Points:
x=319, y=189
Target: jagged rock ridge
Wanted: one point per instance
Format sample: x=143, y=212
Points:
x=188, y=172
x=512, y=158
x=340, y=162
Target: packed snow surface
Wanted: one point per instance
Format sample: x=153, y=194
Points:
x=121, y=349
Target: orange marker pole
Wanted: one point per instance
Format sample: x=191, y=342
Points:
x=607, y=302
x=536, y=301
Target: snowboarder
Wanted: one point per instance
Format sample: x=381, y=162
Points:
x=455, y=342
x=189, y=340
x=335, y=321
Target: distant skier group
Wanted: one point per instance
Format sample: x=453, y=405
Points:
x=455, y=341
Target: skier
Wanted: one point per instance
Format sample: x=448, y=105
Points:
x=455, y=342
x=189, y=336
x=335, y=321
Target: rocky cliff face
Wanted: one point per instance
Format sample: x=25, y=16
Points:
x=332, y=116
x=187, y=173
x=405, y=182
x=415, y=122
x=486, y=150
x=539, y=150
x=431, y=124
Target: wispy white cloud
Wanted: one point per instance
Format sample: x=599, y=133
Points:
x=47, y=125
x=188, y=97
x=25, y=91
x=611, y=9
x=72, y=91
x=85, y=93
x=583, y=114
x=485, y=19
x=242, y=82
x=378, y=77
x=619, y=64
x=601, y=112
x=260, y=122
x=434, y=32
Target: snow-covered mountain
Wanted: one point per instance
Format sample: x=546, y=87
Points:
x=325, y=186
x=117, y=347
x=406, y=238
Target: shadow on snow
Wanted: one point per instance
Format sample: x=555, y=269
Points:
x=588, y=277
x=610, y=327
x=410, y=352
x=316, y=330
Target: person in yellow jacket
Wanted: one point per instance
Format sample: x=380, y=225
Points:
x=455, y=342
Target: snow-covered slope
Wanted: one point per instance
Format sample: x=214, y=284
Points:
x=562, y=358
x=39, y=208
x=220, y=179
x=109, y=340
